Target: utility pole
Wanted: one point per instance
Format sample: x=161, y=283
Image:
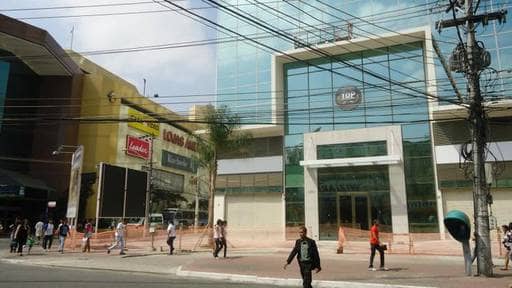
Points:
x=480, y=189
x=473, y=63
x=150, y=182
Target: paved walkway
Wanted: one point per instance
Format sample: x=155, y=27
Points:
x=265, y=266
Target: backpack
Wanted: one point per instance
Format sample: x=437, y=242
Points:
x=63, y=230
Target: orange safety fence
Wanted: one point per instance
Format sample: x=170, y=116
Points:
x=350, y=240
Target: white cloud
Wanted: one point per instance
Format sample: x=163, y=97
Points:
x=168, y=72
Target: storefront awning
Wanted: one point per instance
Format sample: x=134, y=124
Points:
x=356, y=161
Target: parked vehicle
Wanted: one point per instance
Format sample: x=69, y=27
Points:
x=184, y=217
x=155, y=220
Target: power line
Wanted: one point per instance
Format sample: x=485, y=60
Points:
x=313, y=49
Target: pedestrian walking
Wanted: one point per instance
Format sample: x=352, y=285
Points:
x=223, y=236
x=31, y=240
x=13, y=243
x=217, y=238
x=375, y=245
x=307, y=256
x=87, y=236
x=119, y=237
x=171, y=235
x=21, y=235
x=48, y=230
x=38, y=228
x=63, y=232
x=507, y=243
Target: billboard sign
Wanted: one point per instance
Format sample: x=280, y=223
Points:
x=137, y=147
x=121, y=192
x=151, y=127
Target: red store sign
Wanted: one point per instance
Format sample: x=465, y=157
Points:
x=137, y=147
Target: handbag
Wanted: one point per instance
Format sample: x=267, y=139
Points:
x=384, y=247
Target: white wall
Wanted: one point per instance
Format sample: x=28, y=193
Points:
x=251, y=165
x=463, y=200
x=449, y=154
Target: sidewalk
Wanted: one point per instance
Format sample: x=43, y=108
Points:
x=264, y=266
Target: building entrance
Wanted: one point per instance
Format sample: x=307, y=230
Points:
x=353, y=210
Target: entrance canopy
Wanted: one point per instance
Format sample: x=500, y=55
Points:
x=359, y=161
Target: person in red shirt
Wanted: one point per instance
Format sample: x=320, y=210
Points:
x=375, y=245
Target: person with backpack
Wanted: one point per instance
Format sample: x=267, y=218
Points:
x=63, y=232
x=48, y=230
x=307, y=255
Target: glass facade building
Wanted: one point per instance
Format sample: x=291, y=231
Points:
x=395, y=90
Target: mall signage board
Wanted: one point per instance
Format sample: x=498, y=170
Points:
x=143, y=122
x=348, y=98
x=137, y=147
x=176, y=161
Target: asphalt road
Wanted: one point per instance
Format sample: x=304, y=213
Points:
x=17, y=276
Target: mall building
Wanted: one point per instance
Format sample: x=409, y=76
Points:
x=128, y=130
x=51, y=97
x=355, y=121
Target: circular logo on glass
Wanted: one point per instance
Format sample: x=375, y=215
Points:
x=348, y=98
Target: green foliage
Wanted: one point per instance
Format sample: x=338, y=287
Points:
x=221, y=135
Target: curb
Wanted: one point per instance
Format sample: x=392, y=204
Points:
x=237, y=278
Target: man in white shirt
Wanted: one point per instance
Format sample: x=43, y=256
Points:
x=171, y=235
x=39, y=230
x=119, y=235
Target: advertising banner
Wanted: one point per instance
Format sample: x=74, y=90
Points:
x=151, y=127
x=74, y=182
x=137, y=147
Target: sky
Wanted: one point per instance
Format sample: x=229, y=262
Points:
x=168, y=72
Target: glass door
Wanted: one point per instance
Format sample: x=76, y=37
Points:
x=353, y=210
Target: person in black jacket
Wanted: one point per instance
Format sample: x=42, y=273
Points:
x=307, y=255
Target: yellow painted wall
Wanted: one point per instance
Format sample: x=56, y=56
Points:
x=101, y=139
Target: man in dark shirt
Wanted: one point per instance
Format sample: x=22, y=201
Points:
x=307, y=255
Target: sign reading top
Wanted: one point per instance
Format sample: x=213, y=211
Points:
x=348, y=98
x=151, y=127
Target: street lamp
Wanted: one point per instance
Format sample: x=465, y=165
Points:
x=74, y=178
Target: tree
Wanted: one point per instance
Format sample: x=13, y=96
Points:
x=221, y=135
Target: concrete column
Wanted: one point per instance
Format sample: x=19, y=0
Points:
x=398, y=198
x=311, y=202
